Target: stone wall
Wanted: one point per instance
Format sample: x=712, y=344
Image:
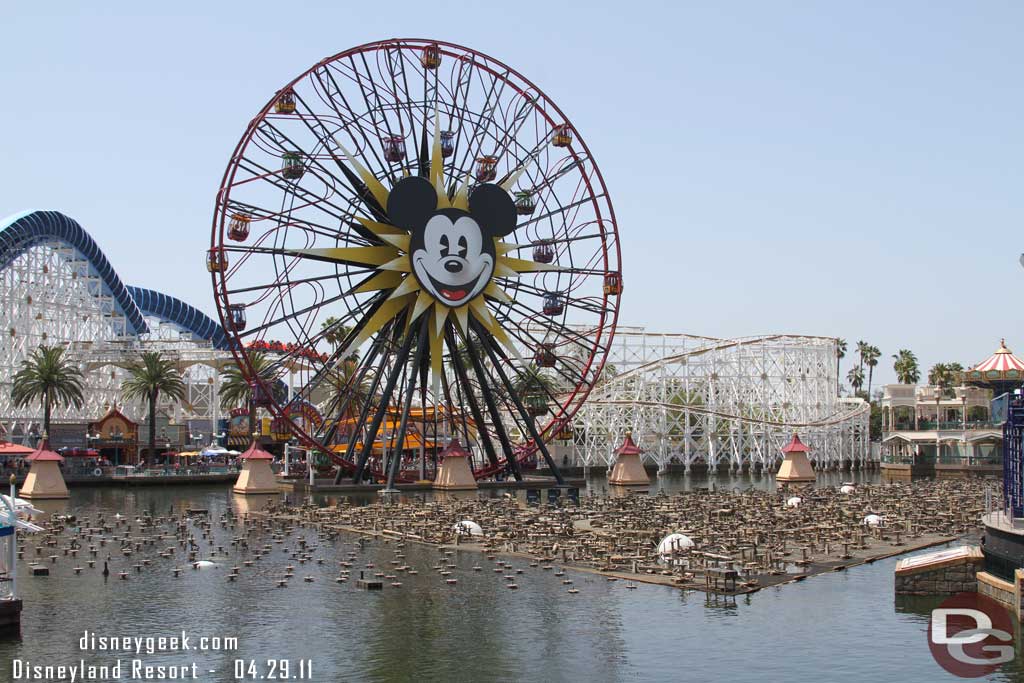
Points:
x=943, y=575
x=944, y=581
x=1008, y=593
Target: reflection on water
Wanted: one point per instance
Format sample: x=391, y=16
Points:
x=837, y=627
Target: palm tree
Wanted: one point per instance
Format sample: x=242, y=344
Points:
x=944, y=376
x=871, y=356
x=466, y=348
x=856, y=378
x=840, y=354
x=147, y=379
x=346, y=387
x=609, y=372
x=50, y=378
x=532, y=386
x=235, y=390
x=335, y=334
x=905, y=365
x=862, y=347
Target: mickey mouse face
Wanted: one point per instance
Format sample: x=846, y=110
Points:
x=452, y=251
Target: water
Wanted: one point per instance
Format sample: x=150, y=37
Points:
x=835, y=627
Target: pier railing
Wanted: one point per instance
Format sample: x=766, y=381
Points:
x=952, y=425
x=965, y=460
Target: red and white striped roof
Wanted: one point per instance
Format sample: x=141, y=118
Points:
x=1001, y=361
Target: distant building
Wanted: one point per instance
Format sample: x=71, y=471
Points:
x=930, y=429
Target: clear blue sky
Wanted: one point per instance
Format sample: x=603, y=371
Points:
x=847, y=169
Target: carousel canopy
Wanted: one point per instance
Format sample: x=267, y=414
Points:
x=1001, y=366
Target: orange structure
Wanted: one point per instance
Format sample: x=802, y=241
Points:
x=795, y=468
x=44, y=478
x=453, y=473
x=256, y=476
x=629, y=468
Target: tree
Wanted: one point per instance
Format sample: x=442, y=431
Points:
x=871, y=355
x=905, y=365
x=875, y=422
x=335, y=334
x=235, y=389
x=862, y=347
x=945, y=376
x=532, y=382
x=147, y=379
x=856, y=378
x=347, y=390
x=840, y=354
x=50, y=378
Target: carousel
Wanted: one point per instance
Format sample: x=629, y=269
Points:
x=1002, y=372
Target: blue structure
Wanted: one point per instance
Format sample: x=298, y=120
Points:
x=1013, y=458
x=159, y=305
x=31, y=228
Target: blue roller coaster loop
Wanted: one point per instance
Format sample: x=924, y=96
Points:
x=28, y=229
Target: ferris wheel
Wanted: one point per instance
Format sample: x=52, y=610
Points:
x=433, y=243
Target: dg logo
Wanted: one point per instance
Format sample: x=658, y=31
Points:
x=971, y=635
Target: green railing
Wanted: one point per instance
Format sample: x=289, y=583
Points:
x=899, y=459
x=929, y=425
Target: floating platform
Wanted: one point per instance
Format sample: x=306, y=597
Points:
x=298, y=485
x=10, y=615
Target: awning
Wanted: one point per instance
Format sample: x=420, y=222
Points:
x=412, y=442
x=79, y=452
x=994, y=436
x=912, y=437
x=929, y=437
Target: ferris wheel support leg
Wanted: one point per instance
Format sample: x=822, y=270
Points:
x=474, y=408
x=396, y=457
x=541, y=446
x=365, y=411
x=382, y=409
x=342, y=404
x=492, y=408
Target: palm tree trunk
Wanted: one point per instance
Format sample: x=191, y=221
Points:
x=152, y=427
x=252, y=418
x=838, y=385
x=871, y=371
x=46, y=413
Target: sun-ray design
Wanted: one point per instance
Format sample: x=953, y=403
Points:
x=404, y=291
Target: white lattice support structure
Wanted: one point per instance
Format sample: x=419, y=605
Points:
x=57, y=288
x=198, y=362
x=725, y=403
x=47, y=296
